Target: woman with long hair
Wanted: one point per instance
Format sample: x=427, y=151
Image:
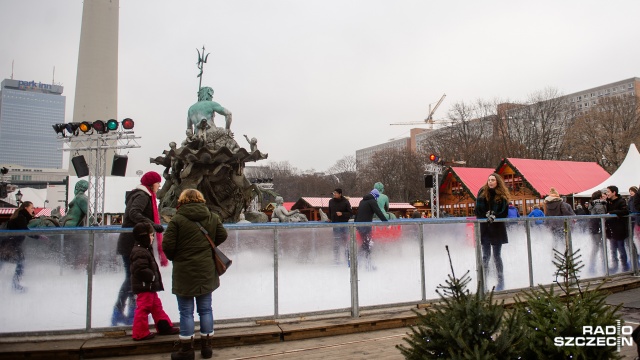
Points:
x=194, y=275
x=12, y=245
x=492, y=203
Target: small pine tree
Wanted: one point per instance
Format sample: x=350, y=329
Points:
x=548, y=314
x=464, y=326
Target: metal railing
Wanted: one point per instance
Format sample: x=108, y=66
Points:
x=292, y=269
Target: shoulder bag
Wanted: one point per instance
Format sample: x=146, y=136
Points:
x=221, y=260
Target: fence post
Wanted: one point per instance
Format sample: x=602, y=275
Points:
x=90, y=269
x=632, y=246
x=276, y=244
x=527, y=227
x=423, y=280
x=353, y=260
x=605, y=252
x=479, y=265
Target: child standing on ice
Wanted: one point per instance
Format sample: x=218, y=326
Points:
x=146, y=281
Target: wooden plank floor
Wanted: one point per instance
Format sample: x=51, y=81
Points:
x=360, y=346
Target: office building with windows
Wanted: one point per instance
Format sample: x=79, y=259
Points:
x=27, y=111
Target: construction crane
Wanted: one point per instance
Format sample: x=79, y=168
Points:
x=429, y=120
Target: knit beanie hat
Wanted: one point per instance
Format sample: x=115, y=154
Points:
x=375, y=193
x=553, y=192
x=141, y=233
x=150, y=178
x=635, y=189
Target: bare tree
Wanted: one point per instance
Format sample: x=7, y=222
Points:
x=604, y=133
x=344, y=172
x=535, y=130
x=467, y=138
x=401, y=172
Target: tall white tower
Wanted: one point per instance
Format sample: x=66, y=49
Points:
x=96, y=95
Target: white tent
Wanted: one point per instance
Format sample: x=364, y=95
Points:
x=627, y=175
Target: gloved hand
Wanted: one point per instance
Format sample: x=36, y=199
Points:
x=490, y=216
x=158, y=228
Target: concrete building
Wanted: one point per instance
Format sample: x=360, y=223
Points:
x=27, y=111
x=363, y=156
x=581, y=101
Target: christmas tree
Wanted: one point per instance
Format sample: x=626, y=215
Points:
x=549, y=314
x=465, y=326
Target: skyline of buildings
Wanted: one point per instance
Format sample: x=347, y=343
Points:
x=579, y=103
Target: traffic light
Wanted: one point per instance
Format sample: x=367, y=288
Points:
x=127, y=124
x=436, y=159
x=112, y=125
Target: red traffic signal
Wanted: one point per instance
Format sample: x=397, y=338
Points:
x=127, y=124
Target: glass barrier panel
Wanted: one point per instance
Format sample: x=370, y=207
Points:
x=515, y=256
x=460, y=239
x=44, y=287
x=246, y=289
x=586, y=236
x=388, y=264
x=546, y=235
x=313, y=269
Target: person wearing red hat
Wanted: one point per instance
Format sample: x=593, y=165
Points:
x=141, y=206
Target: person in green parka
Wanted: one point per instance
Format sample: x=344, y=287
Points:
x=194, y=276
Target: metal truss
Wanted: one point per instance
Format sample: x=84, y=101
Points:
x=97, y=146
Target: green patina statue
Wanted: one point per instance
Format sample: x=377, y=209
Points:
x=383, y=202
x=200, y=115
x=210, y=160
x=78, y=207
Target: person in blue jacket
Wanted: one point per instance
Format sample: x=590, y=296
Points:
x=536, y=212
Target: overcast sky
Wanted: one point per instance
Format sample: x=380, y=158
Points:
x=314, y=81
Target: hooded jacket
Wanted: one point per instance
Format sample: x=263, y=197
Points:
x=187, y=247
x=145, y=274
x=555, y=206
x=139, y=209
x=367, y=207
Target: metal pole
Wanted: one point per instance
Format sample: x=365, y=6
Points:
x=527, y=227
x=479, y=266
x=275, y=272
x=353, y=259
x=89, y=277
x=423, y=279
x=605, y=253
x=634, y=250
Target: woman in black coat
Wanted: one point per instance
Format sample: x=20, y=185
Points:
x=12, y=245
x=492, y=203
x=141, y=207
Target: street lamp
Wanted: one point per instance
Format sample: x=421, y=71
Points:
x=18, y=198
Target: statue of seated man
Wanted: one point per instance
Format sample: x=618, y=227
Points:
x=200, y=115
x=383, y=202
x=78, y=207
x=284, y=215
